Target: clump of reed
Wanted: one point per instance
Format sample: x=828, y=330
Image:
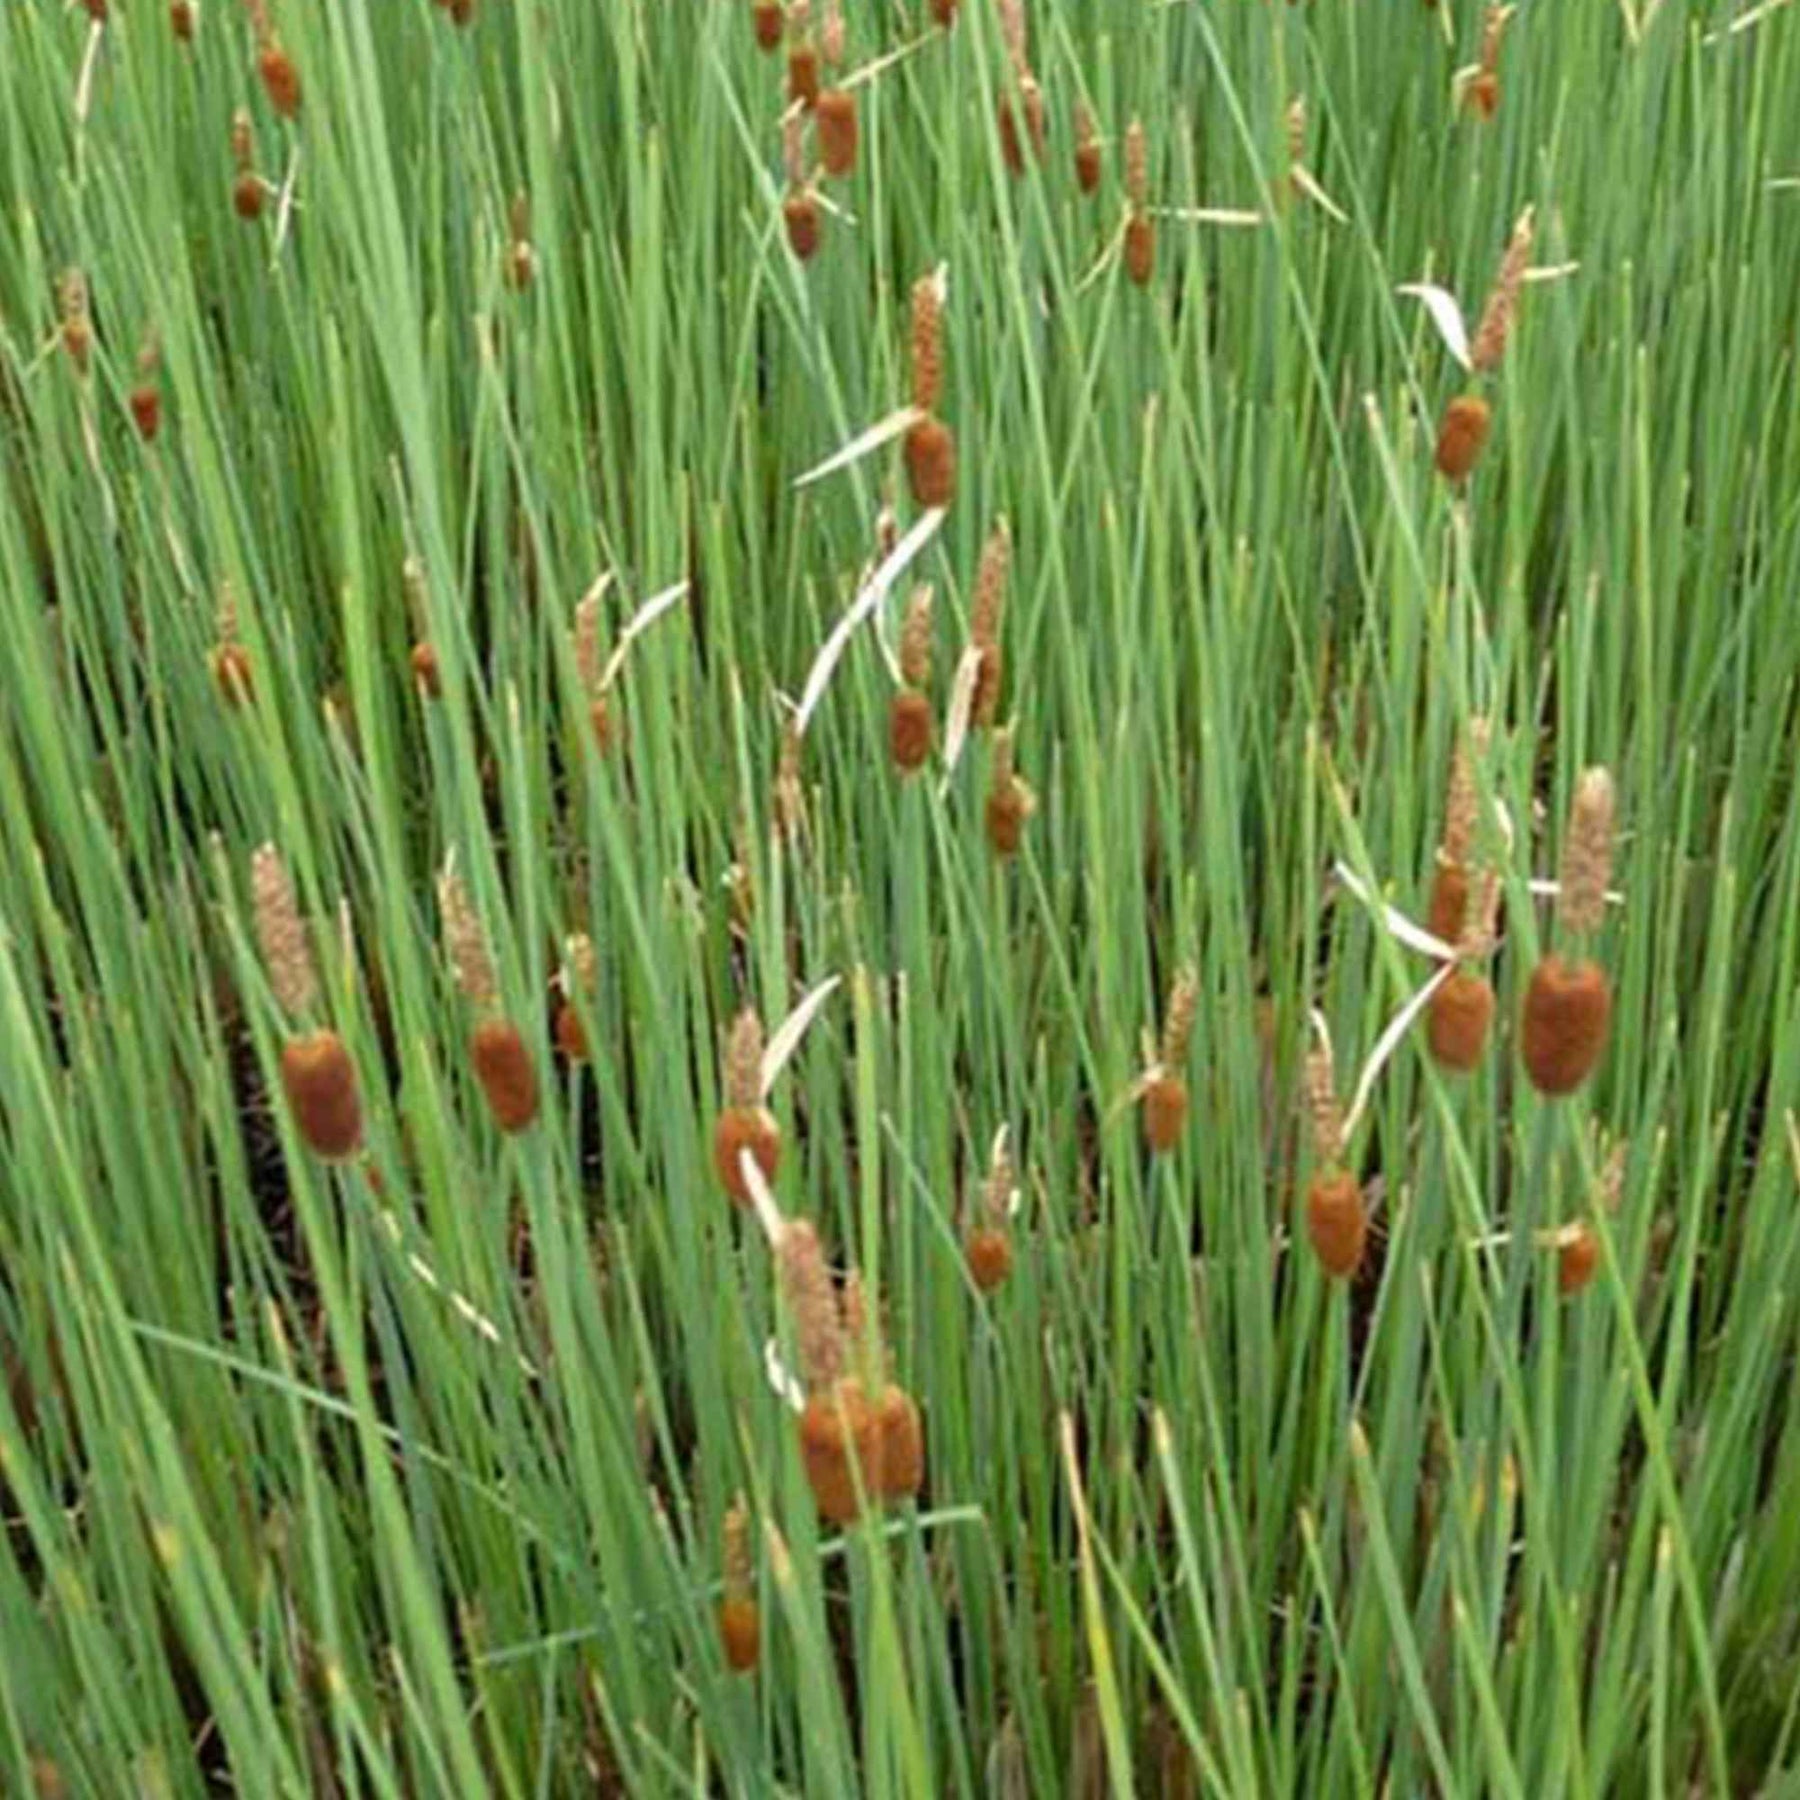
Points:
x=317, y=1073
x=499, y=1057
x=1568, y=1002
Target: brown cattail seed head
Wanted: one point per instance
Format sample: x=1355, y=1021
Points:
x=1137, y=165
x=984, y=622
x=1087, y=150
x=1337, y=1225
x=1462, y=802
x=989, y=1252
x=1483, y=93
x=740, y=1629
x=426, y=674
x=182, y=19
x=1462, y=436
x=97, y=10
x=840, y=1444
x=1562, y=1031
x=466, y=942
x=232, y=674
x=790, y=791
x=927, y=342
x=604, y=722
x=910, y=729
x=1587, y=854
x=571, y=1038
x=800, y=215
x=1014, y=147
x=930, y=451
x=741, y=1128
x=280, y=79
x=943, y=12
x=812, y=1304
x=247, y=195
x=320, y=1082
x=1502, y=303
x=146, y=409
x=803, y=75
x=1449, y=903
x=915, y=639
x=588, y=661
x=834, y=118
x=1457, y=1020
x=1165, y=1111
x=1010, y=801
x=508, y=1077
x=901, y=1465
x=1140, y=248
x=286, y=949
x=767, y=21
x=1577, y=1258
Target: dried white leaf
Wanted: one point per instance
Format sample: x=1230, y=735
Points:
x=782, y=1380
x=640, y=622
x=893, y=566
x=1210, y=215
x=865, y=443
x=1446, y=315
x=1415, y=937
x=1540, y=273
x=1308, y=184
x=792, y=1029
x=962, y=704
x=1384, y=1047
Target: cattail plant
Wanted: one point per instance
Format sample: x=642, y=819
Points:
x=1463, y=434
x=985, y=615
x=1568, y=1003
x=581, y=968
x=1462, y=911
x=803, y=56
x=740, y=1623
x=1140, y=228
x=230, y=662
x=1577, y=1244
x=498, y=1054
x=317, y=1073
x=930, y=445
x=1087, y=149
x=603, y=719
x=834, y=120
x=184, y=18
x=77, y=324
x=1010, y=801
x=987, y=1243
x=1337, y=1222
x=521, y=256
x=423, y=659
x=280, y=78
x=1162, y=1089
x=461, y=12
x=1301, y=180
x=1481, y=84
x=767, y=22
x=800, y=206
x=145, y=398
x=789, y=796
x=909, y=713
x=1017, y=145
x=943, y=12
x=247, y=187
x=745, y=1124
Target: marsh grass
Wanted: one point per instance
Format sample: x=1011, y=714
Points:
x=277, y=1507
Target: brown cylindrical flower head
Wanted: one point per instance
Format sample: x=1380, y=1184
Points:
x=943, y=13
x=1165, y=1111
x=740, y=1624
x=571, y=1037
x=1337, y=1224
x=1010, y=801
x=319, y=1080
x=247, y=196
x=930, y=451
x=1462, y=801
x=984, y=622
x=988, y=1249
x=1462, y=436
x=741, y=1128
x=803, y=74
x=233, y=674
x=834, y=118
x=1448, y=907
x=766, y=20
x=182, y=20
x=1457, y=1020
x=915, y=639
x=1495, y=325
x=1140, y=248
x=146, y=410
x=426, y=673
x=280, y=79
x=1577, y=1258
x=1483, y=93
x=840, y=1448
x=910, y=730
x=800, y=217
x=901, y=1468
x=1016, y=146
x=1178, y=1021
x=1587, y=854
x=927, y=342
x=466, y=942
x=1562, y=1030
x=1087, y=149
x=280, y=934
x=508, y=1077
x=812, y=1304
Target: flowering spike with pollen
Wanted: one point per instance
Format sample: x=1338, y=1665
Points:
x=1165, y=1089
x=988, y=1245
x=745, y=1125
x=1010, y=801
x=1087, y=149
x=1337, y=1221
x=740, y=1624
x=984, y=622
x=1492, y=331
x=909, y=715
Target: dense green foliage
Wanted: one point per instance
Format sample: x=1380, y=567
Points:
x=419, y=1488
